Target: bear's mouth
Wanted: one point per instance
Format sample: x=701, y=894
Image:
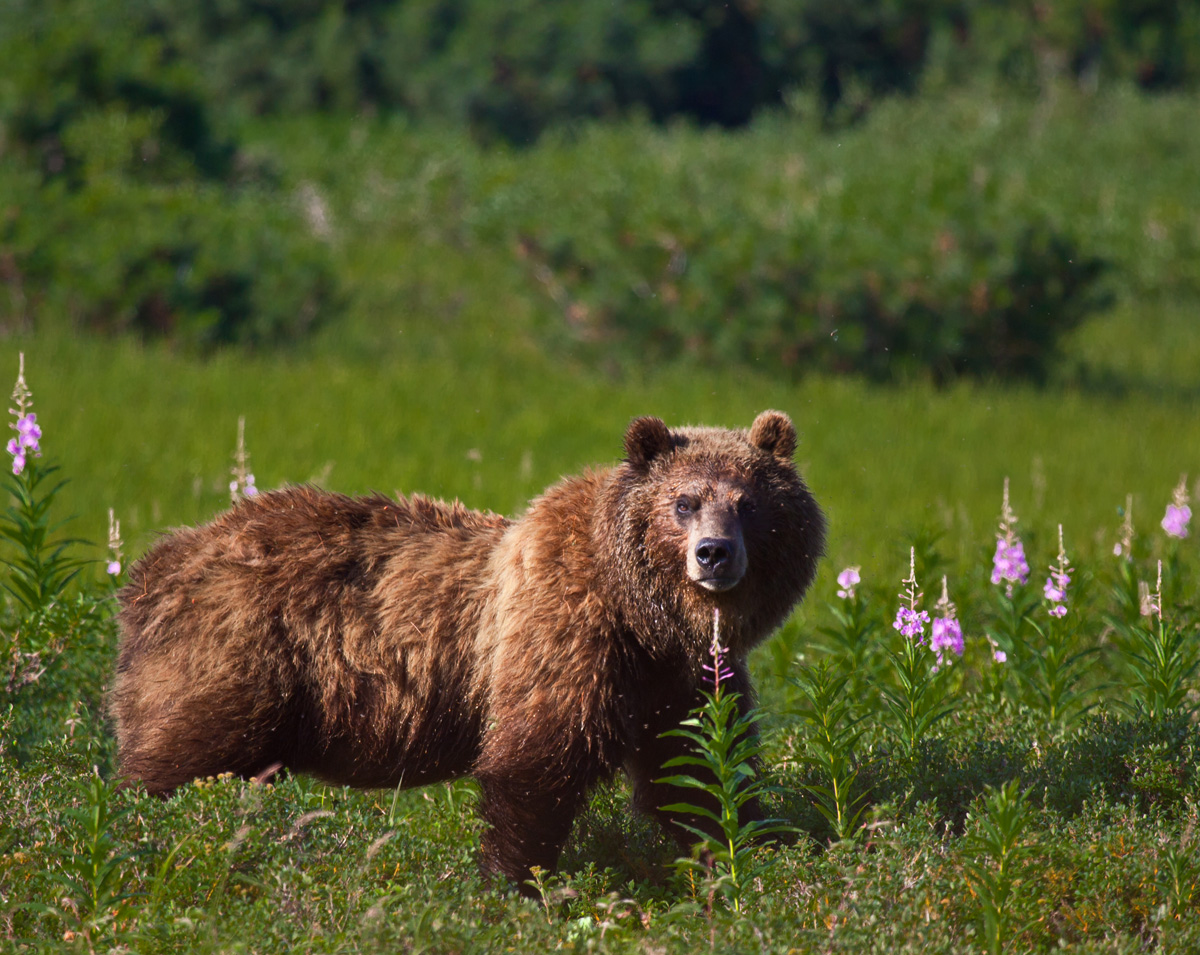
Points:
x=718, y=585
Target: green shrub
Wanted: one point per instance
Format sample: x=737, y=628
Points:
x=666, y=261
x=123, y=208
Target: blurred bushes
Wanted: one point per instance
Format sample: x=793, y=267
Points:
x=512, y=70
x=124, y=205
x=715, y=286
x=128, y=202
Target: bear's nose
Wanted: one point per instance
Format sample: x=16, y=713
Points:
x=713, y=553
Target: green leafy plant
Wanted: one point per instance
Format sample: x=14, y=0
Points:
x=997, y=849
x=834, y=732
x=40, y=564
x=1161, y=661
x=725, y=749
x=93, y=875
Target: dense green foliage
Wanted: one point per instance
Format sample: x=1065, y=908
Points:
x=489, y=234
x=125, y=206
x=973, y=250
x=142, y=191
x=516, y=69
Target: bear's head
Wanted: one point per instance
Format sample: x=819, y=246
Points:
x=711, y=518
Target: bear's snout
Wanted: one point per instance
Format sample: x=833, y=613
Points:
x=717, y=563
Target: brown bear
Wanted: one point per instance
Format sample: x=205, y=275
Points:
x=376, y=642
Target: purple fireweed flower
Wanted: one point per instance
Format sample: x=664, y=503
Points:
x=113, y=568
x=1000, y=655
x=947, y=635
x=1175, y=522
x=18, y=456
x=1055, y=589
x=947, y=631
x=847, y=580
x=1008, y=563
x=26, y=426
x=911, y=623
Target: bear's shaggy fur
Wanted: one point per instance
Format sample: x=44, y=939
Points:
x=376, y=642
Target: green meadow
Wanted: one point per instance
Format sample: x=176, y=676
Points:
x=152, y=434
x=450, y=369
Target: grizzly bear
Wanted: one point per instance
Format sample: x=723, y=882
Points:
x=379, y=643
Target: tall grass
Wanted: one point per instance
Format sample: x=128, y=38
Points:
x=155, y=433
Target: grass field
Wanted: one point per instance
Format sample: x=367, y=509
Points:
x=151, y=435
x=440, y=379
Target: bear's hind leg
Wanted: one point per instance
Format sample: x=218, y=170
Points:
x=527, y=828
x=167, y=738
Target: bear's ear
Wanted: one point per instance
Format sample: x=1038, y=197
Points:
x=646, y=439
x=774, y=433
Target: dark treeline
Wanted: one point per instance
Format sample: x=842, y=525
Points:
x=512, y=69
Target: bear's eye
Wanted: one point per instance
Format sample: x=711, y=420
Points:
x=685, y=506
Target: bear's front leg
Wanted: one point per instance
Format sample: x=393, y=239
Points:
x=528, y=825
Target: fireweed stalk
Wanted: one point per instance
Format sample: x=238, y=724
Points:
x=725, y=749
x=40, y=567
x=1055, y=673
x=1161, y=660
x=920, y=700
x=115, y=562
x=1124, y=586
x=831, y=712
x=1009, y=627
x=242, y=485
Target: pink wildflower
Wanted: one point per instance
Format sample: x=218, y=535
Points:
x=1124, y=547
x=909, y=620
x=947, y=631
x=26, y=426
x=1055, y=590
x=847, y=580
x=1008, y=563
x=114, y=545
x=718, y=670
x=242, y=485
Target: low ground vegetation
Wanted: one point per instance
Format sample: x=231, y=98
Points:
x=982, y=740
